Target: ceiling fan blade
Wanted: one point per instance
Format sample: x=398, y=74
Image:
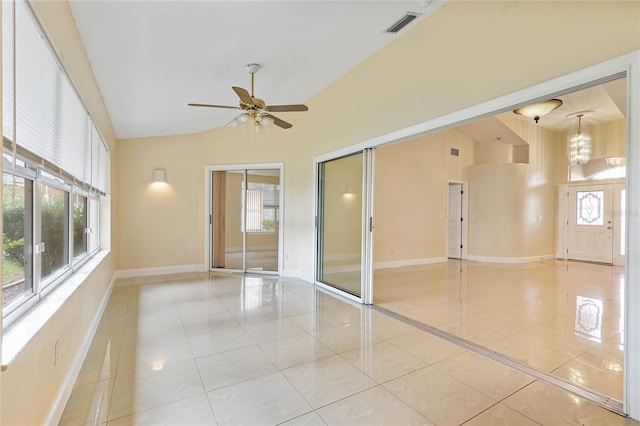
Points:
x=244, y=96
x=280, y=123
x=287, y=108
x=214, y=106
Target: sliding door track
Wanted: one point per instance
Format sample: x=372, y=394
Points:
x=602, y=400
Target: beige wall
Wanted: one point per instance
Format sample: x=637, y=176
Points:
x=512, y=205
x=411, y=184
x=609, y=139
x=493, y=152
x=32, y=378
x=343, y=211
x=433, y=69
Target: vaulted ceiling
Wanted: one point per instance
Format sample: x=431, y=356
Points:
x=151, y=58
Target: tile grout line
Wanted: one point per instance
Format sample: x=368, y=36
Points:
x=597, y=398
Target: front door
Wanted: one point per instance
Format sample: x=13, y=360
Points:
x=590, y=223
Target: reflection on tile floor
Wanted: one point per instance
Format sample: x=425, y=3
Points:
x=204, y=349
x=565, y=318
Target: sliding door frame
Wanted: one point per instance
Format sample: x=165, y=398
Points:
x=208, y=214
x=366, y=243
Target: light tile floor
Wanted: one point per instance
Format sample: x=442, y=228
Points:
x=206, y=349
x=563, y=317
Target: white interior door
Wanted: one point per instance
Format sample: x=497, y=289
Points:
x=454, y=221
x=590, y=223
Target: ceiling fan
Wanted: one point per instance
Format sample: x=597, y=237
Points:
x=256, y=110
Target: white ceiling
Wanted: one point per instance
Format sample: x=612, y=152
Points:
x=600, y=104
x=151, y=58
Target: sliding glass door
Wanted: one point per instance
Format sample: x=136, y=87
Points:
x=343, y=231
x=245, y=219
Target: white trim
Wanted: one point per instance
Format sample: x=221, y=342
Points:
x=23, y=329
x=162, y=270
x=409, y=262
x=523, y=259
x=631, y=397
x=563, y=84
x=64, y=392
x=341, y=293
x=366, y=289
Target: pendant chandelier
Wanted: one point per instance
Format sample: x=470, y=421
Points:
x=579, y=143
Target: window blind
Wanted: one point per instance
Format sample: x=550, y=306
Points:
x=8, y=129
x=49, y=125
x=38, y=86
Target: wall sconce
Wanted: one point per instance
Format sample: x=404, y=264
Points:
x=159, y=176
x=348, y=189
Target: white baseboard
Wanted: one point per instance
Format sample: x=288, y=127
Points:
x=524, y=259
x=162, y=270
x=560, y=255
x=55, y=413
x=408, y=262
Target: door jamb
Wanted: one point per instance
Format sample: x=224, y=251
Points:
x=464, y=229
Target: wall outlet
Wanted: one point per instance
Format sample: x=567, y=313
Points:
x=189, y=252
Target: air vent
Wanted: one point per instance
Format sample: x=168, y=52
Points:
x=402, y=22
x=455, y=152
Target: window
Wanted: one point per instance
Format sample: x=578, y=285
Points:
x=54, y=230
x=79, y=225
x=262, y=207
x=55, y=166
x=17, y=264
x=94, y=220
x=590, y=208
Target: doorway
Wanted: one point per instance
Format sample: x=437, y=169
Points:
x=593, y=218
x=245, y=219
x=456, y=220
x=344, y=224
x=339, y=223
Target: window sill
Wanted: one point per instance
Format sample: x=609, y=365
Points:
x=18, y=335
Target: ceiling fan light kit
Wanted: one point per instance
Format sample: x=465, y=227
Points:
x=256, y=110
